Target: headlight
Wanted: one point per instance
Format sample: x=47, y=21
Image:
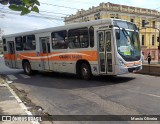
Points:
x=121, y=62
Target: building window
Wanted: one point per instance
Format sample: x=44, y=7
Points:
x=154, y=24
x=59, y=40
x=19, y=43
x=29, y=42
x=142, y=40
x=143, y=23
x=91, y=34
x=143, y=53
x=152, y=40
x=97, y=16
x=132, y=20
x=85, y=19
x=153, y=55
x=78, y=38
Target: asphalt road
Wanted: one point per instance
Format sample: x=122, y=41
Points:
x=64, y=94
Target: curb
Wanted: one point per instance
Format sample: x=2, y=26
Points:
x=22, y=105
x=147, y=73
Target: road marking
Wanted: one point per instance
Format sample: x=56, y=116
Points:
x=12, y=77
x=148, y=94
x=151, y=95
x=24, y=76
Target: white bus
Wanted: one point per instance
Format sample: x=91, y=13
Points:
x=100, y=47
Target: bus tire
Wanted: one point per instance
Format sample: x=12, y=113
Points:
x=85, y=71
x=27, y=68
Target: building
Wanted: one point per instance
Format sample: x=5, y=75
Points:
x=139, y=16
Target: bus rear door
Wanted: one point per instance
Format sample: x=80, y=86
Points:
x=44, y=52
x=11, y=54
x=105, y=52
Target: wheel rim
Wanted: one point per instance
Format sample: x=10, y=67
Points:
x=85, y=73
x=27, y=68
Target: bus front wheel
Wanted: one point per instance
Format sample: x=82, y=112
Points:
x=27, y=68
x=85, y=71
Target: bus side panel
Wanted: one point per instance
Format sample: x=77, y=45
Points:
x=63, y=66
x=32, y=57
x=66, y=61
x=7, y=60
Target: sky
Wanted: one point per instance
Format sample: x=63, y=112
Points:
x=12, y=22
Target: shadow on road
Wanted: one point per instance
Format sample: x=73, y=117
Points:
x=69, y=81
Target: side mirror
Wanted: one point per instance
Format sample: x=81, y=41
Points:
x=117, y=35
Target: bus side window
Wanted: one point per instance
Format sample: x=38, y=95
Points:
x=59, y=40
x=19, y=43
x=4, y=45
x=11, y=47
x=78, y=38
x=29, y=42
x=91, y=34
x=44, y=48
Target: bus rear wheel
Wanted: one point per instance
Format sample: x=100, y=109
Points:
x=27, y=68
x=85, y=71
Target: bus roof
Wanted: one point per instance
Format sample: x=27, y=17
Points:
x=65, y=27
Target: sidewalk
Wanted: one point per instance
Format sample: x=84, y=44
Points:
x=151, y=69
x=9, y=105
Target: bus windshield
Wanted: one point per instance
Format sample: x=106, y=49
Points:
x=128, y=45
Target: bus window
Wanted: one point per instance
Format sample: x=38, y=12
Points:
x=108, y=42
x=44, y=48
x=29, y=42
x=11, y=47
x=19, y=43
x=4, y=45
x=78, y=38
x=91, y=34
x=59, y=40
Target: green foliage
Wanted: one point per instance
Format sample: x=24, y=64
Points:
x=35, y=9
x=24, y=6
x=15, y=7
x=4, y=2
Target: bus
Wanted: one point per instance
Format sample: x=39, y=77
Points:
x=99, y=47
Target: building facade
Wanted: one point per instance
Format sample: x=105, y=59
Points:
x=140, y=16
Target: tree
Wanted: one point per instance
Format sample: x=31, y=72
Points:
x=24, y=6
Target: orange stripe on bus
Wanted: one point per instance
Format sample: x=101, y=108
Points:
x=55, y=56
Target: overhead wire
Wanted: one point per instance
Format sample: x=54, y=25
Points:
x=58, y=6
x=31, y=15
x=47, y=16
x=45, y=11
x=52, y=19
x=42, y=13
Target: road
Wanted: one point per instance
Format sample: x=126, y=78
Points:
x=64, y=94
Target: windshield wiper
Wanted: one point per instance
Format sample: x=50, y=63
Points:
x=126, y=33
x=129, y=40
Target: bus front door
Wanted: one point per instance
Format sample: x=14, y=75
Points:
x=105, y=52
x=44, y=52
x=11, y=55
